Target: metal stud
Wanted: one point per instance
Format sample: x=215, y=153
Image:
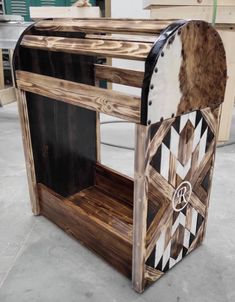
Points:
x=150, y=103
x=152, y=86
x=149, y=122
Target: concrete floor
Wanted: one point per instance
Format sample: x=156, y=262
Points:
x=39, y=262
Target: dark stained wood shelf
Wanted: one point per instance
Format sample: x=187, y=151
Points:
x=108, y=217
x=107, y=210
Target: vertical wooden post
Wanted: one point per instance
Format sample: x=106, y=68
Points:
x=24, y=120
x=107, y=8
x=98, y=153
x=140, y=207
x=1, y=71
x=11, y=51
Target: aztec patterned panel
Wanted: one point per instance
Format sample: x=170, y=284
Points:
x=180, y=171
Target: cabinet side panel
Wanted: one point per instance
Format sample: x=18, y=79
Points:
x=181, y=161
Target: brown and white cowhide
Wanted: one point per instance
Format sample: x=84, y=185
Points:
x=190, y=73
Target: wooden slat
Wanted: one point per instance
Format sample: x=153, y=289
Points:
x=130, y=38
x=117, y=49
x=106, y=25
x=119, y=75
x=110, y=102
x=104, y=209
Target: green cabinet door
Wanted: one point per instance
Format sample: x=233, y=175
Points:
x=18, y=7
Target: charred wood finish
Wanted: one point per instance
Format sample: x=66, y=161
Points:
x=142, y=227
x=139, y=27
x=119, y=75
x=93, y=98
x=173, y=234
x=117, y=49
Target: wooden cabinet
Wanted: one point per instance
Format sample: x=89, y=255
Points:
x=142, y=226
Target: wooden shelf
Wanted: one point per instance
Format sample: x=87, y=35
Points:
x=96, y=216
x=112, y=213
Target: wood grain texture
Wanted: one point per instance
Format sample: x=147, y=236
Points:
x=152, y=275
x=182, y=154
x=140, y=208
x=106, y=210
x=97, y=99
x=116, y=49
x=96, y=229
x=129, y=38
x=124, y=186
x=28, y=153
x=119, y=75
x=133, y=26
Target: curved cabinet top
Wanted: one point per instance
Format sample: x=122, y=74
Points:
x=185, y=68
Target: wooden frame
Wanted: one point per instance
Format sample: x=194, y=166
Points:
x=141, y=226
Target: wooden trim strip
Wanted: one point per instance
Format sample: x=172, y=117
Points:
x=104, y=25
x=119, y=76
x=28, y=152
x=109, y=102
x=117, y=49
x=130, y=38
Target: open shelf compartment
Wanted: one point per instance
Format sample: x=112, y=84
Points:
x=100, y=216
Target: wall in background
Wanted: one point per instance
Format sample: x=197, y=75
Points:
x=128, y=9
x=125, y=9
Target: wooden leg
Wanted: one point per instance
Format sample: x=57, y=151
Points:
x=1, y=71
x=140, y=208
x=23, y=113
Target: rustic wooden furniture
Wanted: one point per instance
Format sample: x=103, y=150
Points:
x=141, y=226
x=225, y=24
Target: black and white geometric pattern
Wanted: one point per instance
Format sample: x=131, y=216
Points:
x=187, y=142
x=171, y=248
x=201, y=138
